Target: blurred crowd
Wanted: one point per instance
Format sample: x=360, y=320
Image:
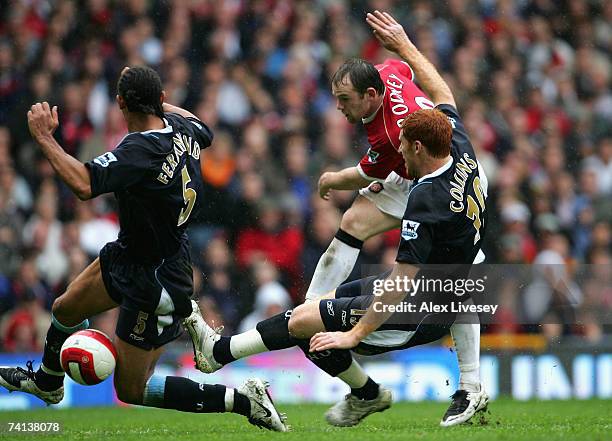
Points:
x=531, y=78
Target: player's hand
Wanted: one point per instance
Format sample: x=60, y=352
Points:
x=42, y=120
x=323, y=341
x=389, y=32
x=325, y=186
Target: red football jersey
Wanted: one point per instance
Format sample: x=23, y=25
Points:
x=401, y=97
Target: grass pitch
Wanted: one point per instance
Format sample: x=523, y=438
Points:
x=505, y=420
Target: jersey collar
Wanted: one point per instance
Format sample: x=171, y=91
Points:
x=167, y=129
x=370, y=118
x=439, y=171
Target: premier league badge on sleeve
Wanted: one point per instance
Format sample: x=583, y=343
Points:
x=409, y=229
x=372, y=156
x=105, y=159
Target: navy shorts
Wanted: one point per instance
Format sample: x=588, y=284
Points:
x=153, y=297
x=351, y=303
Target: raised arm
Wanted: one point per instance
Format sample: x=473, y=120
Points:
x=42, y=121
x=169, y=108
x=392, y=36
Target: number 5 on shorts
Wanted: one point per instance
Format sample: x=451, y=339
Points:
x=141, y=322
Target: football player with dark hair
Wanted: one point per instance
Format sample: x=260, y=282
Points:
x=155, y=175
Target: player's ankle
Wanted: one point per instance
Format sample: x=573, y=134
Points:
x=470, y=387
x=47, y=382
x=369, y=391
x=242, y=404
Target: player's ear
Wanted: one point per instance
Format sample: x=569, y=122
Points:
x=371, y=92
x=120, y=101
x=162, y=97
x=417, y=146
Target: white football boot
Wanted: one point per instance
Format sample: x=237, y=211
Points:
x=351, y=410
x=263, y=412
x=203, y=338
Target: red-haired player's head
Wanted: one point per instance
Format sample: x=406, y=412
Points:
x=425, y=141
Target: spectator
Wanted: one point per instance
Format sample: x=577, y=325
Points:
x=271, y=298
x=273, y=241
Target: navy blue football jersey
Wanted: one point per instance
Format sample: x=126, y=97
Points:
x=157, y=181
x=446, y=217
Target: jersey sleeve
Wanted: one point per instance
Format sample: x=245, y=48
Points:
x=121, y=168
x=378, y=162
x=202, y=132
x=417, y=232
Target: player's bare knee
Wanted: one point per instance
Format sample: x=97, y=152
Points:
x=61, y=311
x=57, y=306
x=64, y=313
x=301, y=323
x=353, y=224
x=347, y=222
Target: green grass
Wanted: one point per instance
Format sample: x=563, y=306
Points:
x=506, y=420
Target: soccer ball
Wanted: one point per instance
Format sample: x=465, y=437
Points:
x=88, y=356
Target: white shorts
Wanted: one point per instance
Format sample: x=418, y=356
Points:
x=390, y=196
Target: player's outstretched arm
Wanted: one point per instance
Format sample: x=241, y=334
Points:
x=375, y=316
x=392, y=36
x=42, y=122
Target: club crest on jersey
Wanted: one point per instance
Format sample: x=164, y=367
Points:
x=372, y=156
x=409, y=229
x=105, y=159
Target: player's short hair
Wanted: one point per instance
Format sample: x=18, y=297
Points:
x=141, y=88
x=432, y=128
x=362, y=74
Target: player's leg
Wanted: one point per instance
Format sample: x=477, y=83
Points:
x=85, y=296
x=294, y=328
x=470, y=397
x=136, y=383
x=360, y=222
x=274, y=334
x=366, y=396
x=215, y=351
x=466, y=337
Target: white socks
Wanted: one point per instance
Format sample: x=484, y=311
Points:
x=467, y=345
x=247, y=343
x=354, y=376
x=229, y=399
x=334, y=267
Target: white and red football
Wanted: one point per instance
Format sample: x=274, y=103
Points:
x=88, y=356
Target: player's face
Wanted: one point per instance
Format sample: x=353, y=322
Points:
x=351, y=103
x=408, y=151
